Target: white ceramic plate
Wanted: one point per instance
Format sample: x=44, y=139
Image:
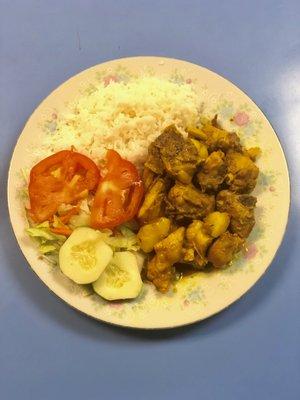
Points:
x=203, y=294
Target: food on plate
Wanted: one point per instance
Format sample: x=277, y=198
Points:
x=62, y=178
x=242, y=173
x=196, y=244
x=220, y=139
x=173, y=154
x=121, y=279
x=147, y=177
x=224, y=249
x=123, y=116
x=240, y=208
x=74, y=228
x=48, y=242
x=253, y=153
x=216, y=223
x=213, y=171
x=188, y=202
x=84, y=255
x=119, y=193
x=152, y=233
x=153, y=204
x=141, y=186
x=167, y=252
x=205, y=195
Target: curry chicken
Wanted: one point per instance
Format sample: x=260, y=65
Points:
x=197, y=210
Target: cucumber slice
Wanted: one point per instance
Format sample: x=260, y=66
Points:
x=121, y=278
x=84, y=256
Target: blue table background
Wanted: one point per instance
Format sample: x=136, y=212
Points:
x=250, y=351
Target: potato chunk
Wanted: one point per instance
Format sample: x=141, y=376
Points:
x=196, y=133
x=197, y=236
x=253, y=153
x=152, y=233
x=197, y=242
x=148, y=178
x=201, y=148
x=216, y=223
x=152, y=206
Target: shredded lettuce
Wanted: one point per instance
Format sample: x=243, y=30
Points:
x=25, y=172
x=131, y=225
x=47, y=248
x=126, y=231
x=43, y=234
x=126, y=241
x=83, y=218
x=23, y=193
x=49, y=242
x=123, y=243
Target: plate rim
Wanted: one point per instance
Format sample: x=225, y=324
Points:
x=121, y=324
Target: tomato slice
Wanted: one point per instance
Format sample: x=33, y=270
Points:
x=118, y=195
x=64, y=177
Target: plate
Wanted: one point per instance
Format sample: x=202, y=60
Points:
x=203, y=294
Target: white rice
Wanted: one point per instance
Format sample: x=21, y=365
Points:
x=126, y=117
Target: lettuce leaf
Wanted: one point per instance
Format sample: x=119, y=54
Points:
x=125, y=231
x=49, y=242
x=47, y=248
x=126, y=241
x=83, y=218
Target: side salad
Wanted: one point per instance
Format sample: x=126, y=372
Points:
x=82, y=218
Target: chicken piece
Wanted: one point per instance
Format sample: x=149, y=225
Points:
x=188, y=255
x=241, y=210
x=213, y=172
x=152, y=233
x=154, y=162
x=168, y=252
x=148, y=178
x=153, y=204
x=187, y=202
x=197, y=242
x=160, y=273
x=224, y=249
x=216, y=223
x=178, y=156
x=242, y=173
x=219, y=139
